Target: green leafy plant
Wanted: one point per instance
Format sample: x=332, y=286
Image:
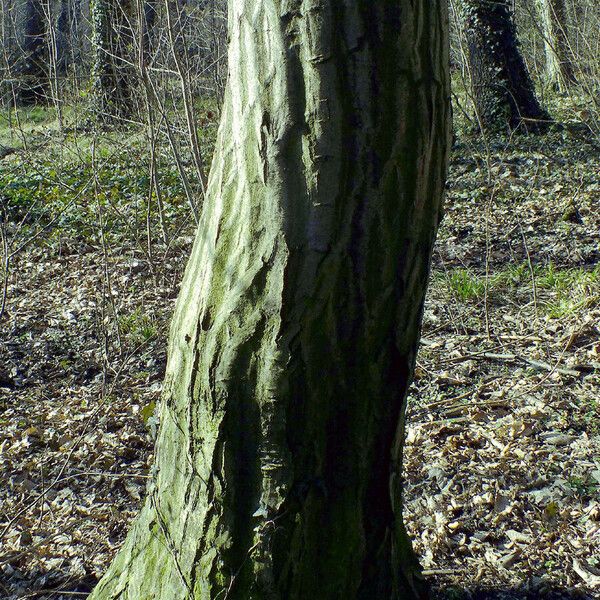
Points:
x=586, y=487
x=466, y=285
x=137, y=326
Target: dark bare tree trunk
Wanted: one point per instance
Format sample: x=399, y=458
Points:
x=278, y=459
x=559, y=61
x=8, y=51
x=148, y=23
x=503, y=91
x=62, y=24
x=32, y=69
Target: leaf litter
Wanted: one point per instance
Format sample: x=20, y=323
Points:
x=502, y=474
x=503, y=443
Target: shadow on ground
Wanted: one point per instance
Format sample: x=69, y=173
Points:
x=537, y=593
x=51, y=586
x=81, y=588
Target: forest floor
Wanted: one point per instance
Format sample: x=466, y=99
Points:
x=503, y=444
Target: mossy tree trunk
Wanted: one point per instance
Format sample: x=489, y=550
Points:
x=278, y=458
x=503, y=92
x=559, y=61
x=113, y=73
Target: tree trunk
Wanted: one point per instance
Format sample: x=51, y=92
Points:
x=80, y=36
x=113, y=73
x=278, y=458
x=62, y=24
x=503, y=91
x=7, y=56
x=32, y=69
x=559, y=64
x=147, y=26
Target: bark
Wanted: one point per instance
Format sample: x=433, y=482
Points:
x=32, y=68
x=503, y=91
x=147, y=26
x=62, y=25
x=278, y=458
x=7, y=56
x=559, y=63
x=80, y=35
x=113, y=72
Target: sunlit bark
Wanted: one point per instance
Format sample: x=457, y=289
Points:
x=278, y=457
x=559, y=64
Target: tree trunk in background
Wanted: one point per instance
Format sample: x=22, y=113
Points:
x=278, y=458
x=7, y=58
x=559, y=63
x=113, y=72
x=32, y=67
x=218, y=43
x=81, y=34
x=148, y=23
x=503, y=91
x=62, y=24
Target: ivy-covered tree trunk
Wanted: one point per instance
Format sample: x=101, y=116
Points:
x=503, y=92
x=278, y=458
x=112, y=42
x=32, y=66
x=559, y=64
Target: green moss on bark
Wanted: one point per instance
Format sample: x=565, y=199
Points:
x=295, y=333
